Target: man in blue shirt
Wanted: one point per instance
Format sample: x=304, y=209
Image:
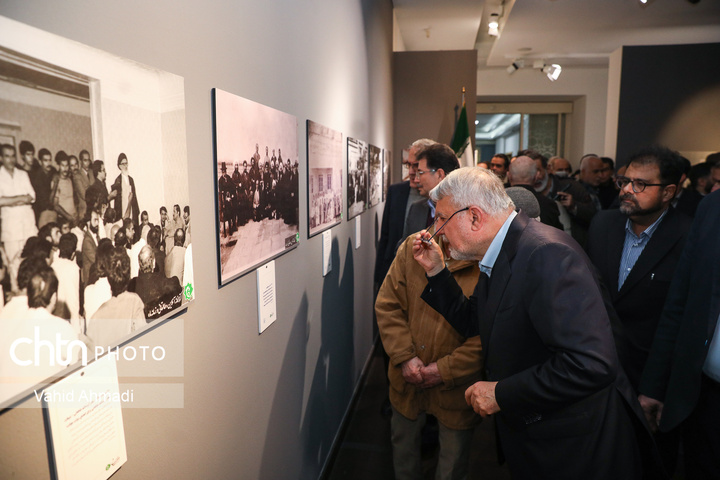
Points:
x=552, y=378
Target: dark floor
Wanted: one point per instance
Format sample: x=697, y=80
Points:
x=365, y=452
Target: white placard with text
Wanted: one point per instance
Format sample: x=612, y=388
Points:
x=86, y=427
x=326, y=252
x=267, y=305
x=358, y=232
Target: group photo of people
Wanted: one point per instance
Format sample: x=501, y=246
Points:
x=266, y=188
x=257, y=194
x=325, y=177
x=80, y=259
x=358, y=172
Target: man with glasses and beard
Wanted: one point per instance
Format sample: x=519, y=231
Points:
x=636, y=250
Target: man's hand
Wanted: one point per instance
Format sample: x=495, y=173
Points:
x=411, y=370
x=431, y=376
x=566, y=200
x=481, y=397
x=428, y=254
x=653, y=411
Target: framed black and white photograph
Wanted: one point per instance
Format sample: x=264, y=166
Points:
x=357, y=174
x=94, y=156
x=325, y=173
x=387, y=159
x=256, y=154
x=375, y=175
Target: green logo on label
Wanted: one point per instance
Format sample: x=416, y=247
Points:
x=188, y=291
x=297, y=237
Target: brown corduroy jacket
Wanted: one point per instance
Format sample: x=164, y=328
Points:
x=411, y=328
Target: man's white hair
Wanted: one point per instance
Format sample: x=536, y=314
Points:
x=421, y=143
x=474, y=186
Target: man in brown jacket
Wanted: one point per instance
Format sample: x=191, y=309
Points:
x=431, y=366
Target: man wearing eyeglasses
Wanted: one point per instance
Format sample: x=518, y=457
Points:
x=430, y=365
x=434, y=163
x=400, y=197
x=636, y=250
x=563, y=407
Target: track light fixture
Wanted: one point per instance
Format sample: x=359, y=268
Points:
x=552, y=71
x=516, y=65
x=494, y=24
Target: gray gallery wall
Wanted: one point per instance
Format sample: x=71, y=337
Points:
x=669, y=94
x=255, y=406
x=426, y=88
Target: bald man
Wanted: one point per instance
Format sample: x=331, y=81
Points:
x=159, y=294
x=523, y=172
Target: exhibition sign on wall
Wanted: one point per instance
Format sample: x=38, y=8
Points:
x=93, y=153
x=256, y=155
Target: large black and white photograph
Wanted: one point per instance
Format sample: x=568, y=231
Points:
x=387, y=159
x=256, y=151
x=95, y=240
x=325, y=173
x=357, y=174
x=375, y=175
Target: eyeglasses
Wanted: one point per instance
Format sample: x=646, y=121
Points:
x=411, y=166
x=428, y=240
x=423, y=172
x=637, y=184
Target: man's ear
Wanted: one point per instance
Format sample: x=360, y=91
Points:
x=441, y=173
x=477, y=216
x=669, y=192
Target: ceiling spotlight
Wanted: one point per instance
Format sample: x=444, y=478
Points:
x=513, y=67
x=552, y=71
x=494, y=24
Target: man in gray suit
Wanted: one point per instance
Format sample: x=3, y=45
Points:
x=434, y=163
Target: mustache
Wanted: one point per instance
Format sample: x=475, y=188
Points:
x=627, y=196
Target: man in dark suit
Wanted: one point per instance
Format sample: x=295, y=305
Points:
x=523, y=173
x=636, y=248
x=89, y=246
x=680, y=385
x=434, y=163
x=400, y=197
x=565, y=410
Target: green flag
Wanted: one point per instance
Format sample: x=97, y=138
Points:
x=461, y=141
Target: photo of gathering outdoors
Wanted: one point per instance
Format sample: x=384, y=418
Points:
x=256, y=151
x=95, y=240
x=325, y=172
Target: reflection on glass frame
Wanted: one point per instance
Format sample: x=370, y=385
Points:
x=357, y=184
x=115, y=254
x=256, y=156
x=325, y=173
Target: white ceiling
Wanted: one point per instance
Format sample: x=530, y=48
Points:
x=568, y=32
